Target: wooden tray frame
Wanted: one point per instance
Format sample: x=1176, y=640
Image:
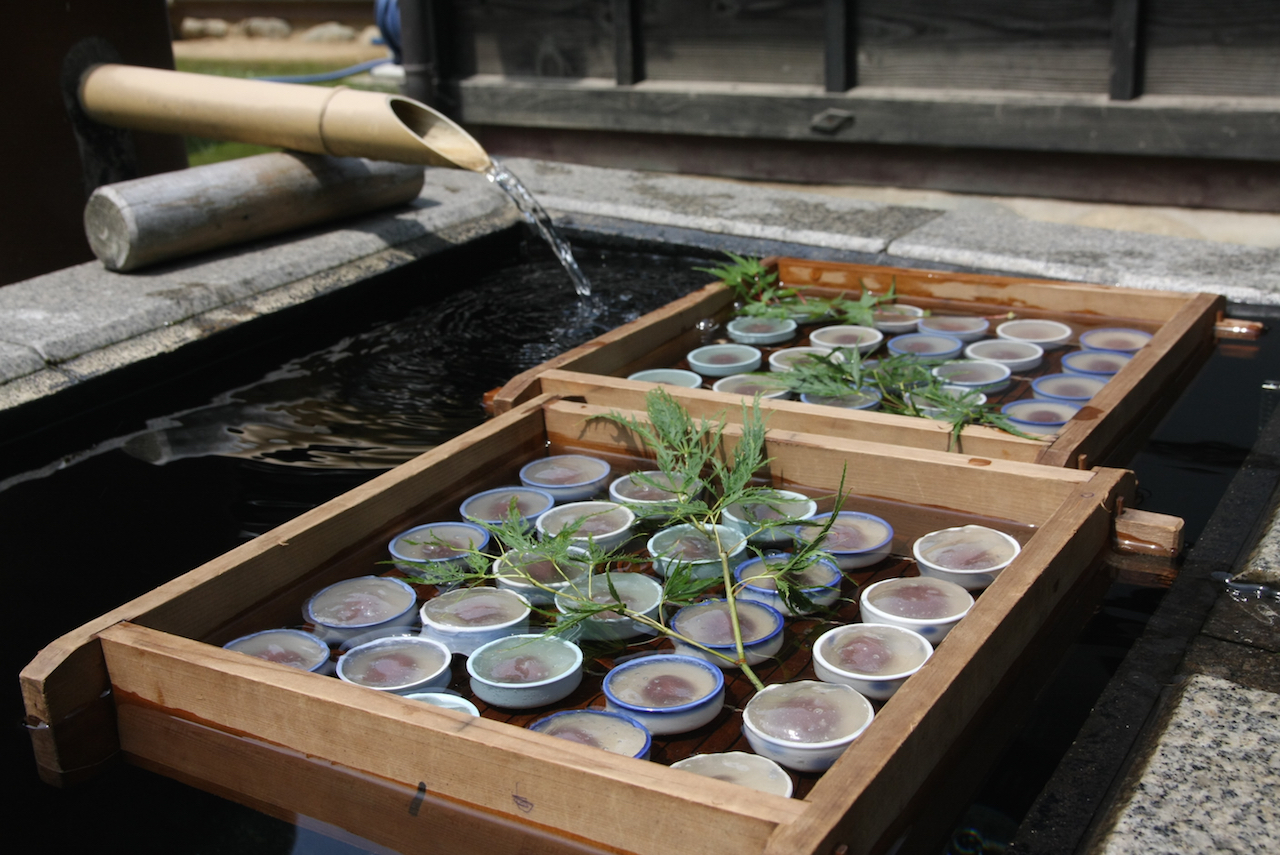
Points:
x=409, y=776
x=1106, y=432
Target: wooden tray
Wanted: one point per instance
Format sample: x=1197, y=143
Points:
x=149, y=680
x=1107, y=431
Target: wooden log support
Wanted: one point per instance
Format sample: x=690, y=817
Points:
x=840, y=59
x=628, y=42
x=145, y=221
x=1126, y=50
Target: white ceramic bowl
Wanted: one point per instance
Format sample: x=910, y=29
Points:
x=855, y=540
x=786, y=358
x=767, y=331
x=708, y=623
x=751, y=385
x=667, y=552
x=741, y=768
x=525, y=671
x=446, y=700
x=494, y=506
x=1117, y=339
x=866, y=398
x=1067, y=388
x=607, y=524
x=436, y=547
x=896, y=318
x=805, y=725
x=668, y=377
x=608, y=731
x=721, y=360
x=931, y=607
x=649, y=493
x=537, y=578
x=758, y=520
x=293, y=648
x=930, y=410
x=964, y=327
x=1048, y=334
x=850, y=336
x=820, y=584
x=926, y=345
x=666, y=693
x=465, y=619
x=354, y=606
x=875, y=659
x=640, y=594
x=1015, y=355
x=1103, y=364
x=398, y=664
x=977, y=375
x=567, y=477
x=972, y=556
x=1040, y=416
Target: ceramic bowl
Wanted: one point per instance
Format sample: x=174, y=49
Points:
x=762, y=520
x=668, y=377
x=1040, y=416
x=494, y=507
x=639, y=593
x=721, y=360
x=1047, y=334
x=567, y=477
x=399, y=664
x=1103, y=364
x=467, y=618
x=967, y=328
x=610, y=731
x=666, y=693
x=684, y=544
x=525, y=671
x=896, y=318
x=855, y=539
x=819, y=582
x=752, y=385
x=931, y=607
x=437, y=547
x=354, y=606
x=606, y=524
x=926, y=345
x=930, y=409
x=805, y=725
x=741, y=768
x=649, y=494
x=786, y=358
x=1067, y=388
x=1117, y=339
x=866, y=398
x=863, y=339
x=1015, y=355
x=766, y=331
x=536, y=577
x=446, y=700
x=292, y=647
x=875, y=659
x=976, y=375
x=972, y=556
x=708, y=623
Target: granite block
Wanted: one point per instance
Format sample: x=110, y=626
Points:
x=718, y=207
x=1212, y=780
x=1242, y=273
x=1245, y=664
x=17, y=360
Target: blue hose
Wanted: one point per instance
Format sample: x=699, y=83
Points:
x=326, y=76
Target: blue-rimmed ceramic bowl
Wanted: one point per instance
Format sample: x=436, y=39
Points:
x=1040, y=416
x=819, y=582
x=610, y=731
x=926, y=345
x=666, y=693
x=708, y=623
x=855, y=539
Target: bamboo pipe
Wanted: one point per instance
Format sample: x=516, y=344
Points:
x=340, y=122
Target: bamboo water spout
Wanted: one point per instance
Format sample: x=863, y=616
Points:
x=341, y=122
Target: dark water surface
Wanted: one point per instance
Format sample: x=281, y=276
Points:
x=112, y=522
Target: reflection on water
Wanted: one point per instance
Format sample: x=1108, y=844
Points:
x=376, y=399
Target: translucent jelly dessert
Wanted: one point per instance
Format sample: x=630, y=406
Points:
x=971, y=547
x=660, y=682
x=608, y=524
x=564, y=470
x=963, y=327
x=854, y=539
x=1040, y=416
x=919, y=598
x=741, y=768
x=1047, y=334
x=685, y=544
x=816, y=574
x=474, y=607
x=978, y=374
x=494, y=506
x=1095, y=362
x=818, y=582
x=525, y=567
x=789, y=357
x=721, y=360
x=867, y=399
x=360, y=603
x=873, y=650
x=710, y=624
x=612, y=732
x=668, y=377
x=864, y=339
x=759, y=516
x=290, y=647
x=925, y=344
x=807, y=711
x=637, y=592
x=523, y=659
x=751, y=385
x=438, y=542
x=1016, y=355
x=394, y=663
x=649, y=486
x=896, y=318
x=1118, y=339
x=1074, y=388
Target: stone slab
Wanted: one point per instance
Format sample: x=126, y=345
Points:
x=1211, y=783
x=17, y=360
x=1244, y=274
x=1245, y=664
x=718, y=207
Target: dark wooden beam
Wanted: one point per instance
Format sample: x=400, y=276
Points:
x=628, y=42
x=841, y=48
x=419, y=51
x=1126, y=50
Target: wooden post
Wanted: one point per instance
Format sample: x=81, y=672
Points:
x=628, y=42
x=1126, y=50
x=841, y=55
